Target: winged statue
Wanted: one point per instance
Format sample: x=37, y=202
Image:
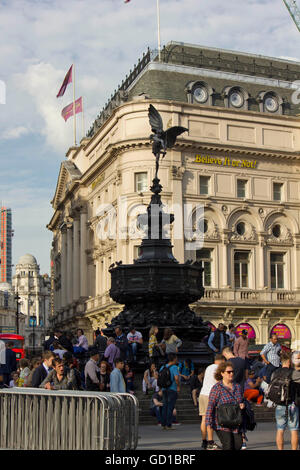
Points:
x=162, y=140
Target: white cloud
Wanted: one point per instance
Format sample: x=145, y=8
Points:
x=14, y=133
x=40, y=39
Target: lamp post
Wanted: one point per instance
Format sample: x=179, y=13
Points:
x=32, y=322
x=17, y=298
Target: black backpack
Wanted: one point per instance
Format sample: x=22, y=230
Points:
x=164, y=378
x=280, y=390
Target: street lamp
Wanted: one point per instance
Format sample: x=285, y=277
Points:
x=17, y=298
x=32, y=322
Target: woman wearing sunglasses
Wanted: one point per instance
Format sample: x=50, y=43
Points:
x=224, y=405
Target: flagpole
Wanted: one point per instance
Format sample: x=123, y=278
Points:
x=83, y=124
x=158, y=30
x=74, y=105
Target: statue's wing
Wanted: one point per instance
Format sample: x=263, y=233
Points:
x=172, y=134
x=155, y=120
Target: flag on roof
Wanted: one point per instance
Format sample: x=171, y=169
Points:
x=68, y=111
x=68, y=79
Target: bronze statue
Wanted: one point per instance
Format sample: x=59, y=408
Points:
x=162, y=140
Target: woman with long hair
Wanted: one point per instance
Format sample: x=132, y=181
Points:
x=225, y=392
x=35, y=362
x=150, y=379
x=170, y=343
x=104, y=376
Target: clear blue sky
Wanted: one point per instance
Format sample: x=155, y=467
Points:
x=40, y=39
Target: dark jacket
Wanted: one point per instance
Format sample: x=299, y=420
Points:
x=217, y=339
x=65, y=343
x=100, y=343
x=48, y=343
x=10, y=362
x=38, y=376
x=122, y=344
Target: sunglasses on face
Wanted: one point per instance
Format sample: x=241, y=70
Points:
x=229, y=371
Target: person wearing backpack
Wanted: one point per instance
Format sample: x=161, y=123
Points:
x=281, y=392
x=168, y=380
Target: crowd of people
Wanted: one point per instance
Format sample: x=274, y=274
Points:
x=225, y=387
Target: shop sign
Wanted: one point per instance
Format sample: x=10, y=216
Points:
x=211, y=326
x=282, y=331
x=245, y=326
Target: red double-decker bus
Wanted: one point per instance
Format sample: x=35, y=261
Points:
x=18, y=343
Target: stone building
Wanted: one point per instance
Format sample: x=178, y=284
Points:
x=239, y=161
x=8, y=310
x=34, y=292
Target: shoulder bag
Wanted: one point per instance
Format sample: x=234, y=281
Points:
x=229, y=415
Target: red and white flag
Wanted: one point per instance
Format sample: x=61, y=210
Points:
x=68, y=79
x=68, y=111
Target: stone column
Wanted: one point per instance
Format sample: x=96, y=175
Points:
x=226, y=264
x=83, y=257
x=70, y=263
x=177, y=173
x=262, y=281
x=76, y=259
x=63, y=291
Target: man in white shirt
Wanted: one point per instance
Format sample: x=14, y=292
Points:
x=135, y=339
x=208, y=382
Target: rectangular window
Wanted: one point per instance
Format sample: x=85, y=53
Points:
x=204, y=258
x=277, y=191
x=141, y=182
x=204, y=185
x=241, y=268
x=241, y=188
x=137, y=252
x=277, y=270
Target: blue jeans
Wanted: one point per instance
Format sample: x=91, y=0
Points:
x=269, y=371
x=133, y=348
x=287, y=417
x=169, y=401
x=78, y=349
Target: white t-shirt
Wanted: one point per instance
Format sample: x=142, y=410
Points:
x=209, y=379
x=134, y=337
x=60, y=352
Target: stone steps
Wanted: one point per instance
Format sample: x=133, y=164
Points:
x=188, y=413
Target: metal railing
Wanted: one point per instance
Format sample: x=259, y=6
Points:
x=36, y=419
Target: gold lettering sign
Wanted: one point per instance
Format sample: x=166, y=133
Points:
x=226, y=161
x=97, y=181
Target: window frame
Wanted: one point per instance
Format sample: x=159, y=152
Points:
x=276, y=264
x=136, y=182
x=208, y=179
x=205, y=261
x=241, y=264
x=245, y=181
x=280, y=184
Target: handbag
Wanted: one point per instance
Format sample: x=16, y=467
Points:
x=229, y=415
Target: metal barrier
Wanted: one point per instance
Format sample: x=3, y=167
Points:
x=38, y=419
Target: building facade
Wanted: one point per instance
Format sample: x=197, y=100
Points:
x=8, y=311
x=6, y=234
x=232, y=182
x=34, y=292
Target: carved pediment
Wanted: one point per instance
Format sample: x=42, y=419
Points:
x=67, y=175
